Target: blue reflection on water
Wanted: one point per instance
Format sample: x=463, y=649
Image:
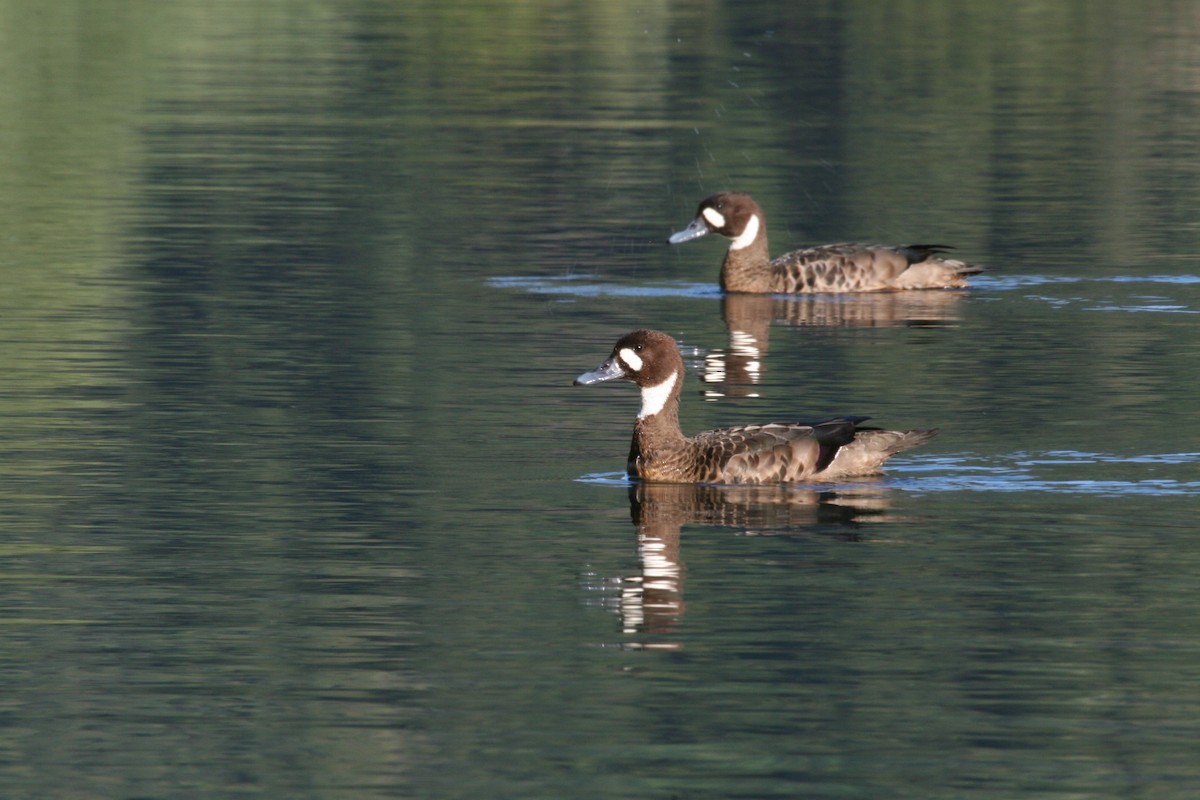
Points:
x=577, y=285
x=1014, y=474
x=606, y=479
x=591, y=285
x=1180, y=279
x=1154, y=308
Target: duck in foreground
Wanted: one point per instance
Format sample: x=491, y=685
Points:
x=828, y=268
x=781, y=452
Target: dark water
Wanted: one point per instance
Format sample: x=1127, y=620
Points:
x=297, y=499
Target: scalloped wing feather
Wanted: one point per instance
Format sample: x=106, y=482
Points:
x=849, y=267
x=774, y=452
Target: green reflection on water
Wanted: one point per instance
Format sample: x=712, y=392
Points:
x=310, y=475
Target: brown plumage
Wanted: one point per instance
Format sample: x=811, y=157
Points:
x=827, y=268
x=781, y=452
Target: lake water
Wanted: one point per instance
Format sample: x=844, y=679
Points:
x=297, y=499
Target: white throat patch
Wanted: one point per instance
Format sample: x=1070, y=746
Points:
x=714, y=217
x=655, y=397
x=747, y=237
x=631, y=359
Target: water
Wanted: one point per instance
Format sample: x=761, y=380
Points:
x=298, y=501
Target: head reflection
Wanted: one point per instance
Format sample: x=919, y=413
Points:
x=739, y=368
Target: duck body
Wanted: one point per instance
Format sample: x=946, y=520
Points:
x=846, y=267
x=783, y=452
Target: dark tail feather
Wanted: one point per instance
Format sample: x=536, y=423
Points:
x=916, y=253
x=832, y=435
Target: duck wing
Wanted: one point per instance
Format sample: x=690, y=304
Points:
x=850, y=267
x=775, y=452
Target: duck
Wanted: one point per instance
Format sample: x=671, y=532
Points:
x=845, y=267
x=780, y=452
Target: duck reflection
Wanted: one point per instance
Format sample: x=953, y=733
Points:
x=652, y=601
x=735, y=372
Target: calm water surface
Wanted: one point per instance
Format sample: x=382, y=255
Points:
x=297, y=499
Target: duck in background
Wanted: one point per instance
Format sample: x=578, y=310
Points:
x=827, y=268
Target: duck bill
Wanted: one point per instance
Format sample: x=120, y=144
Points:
x=608, y=371
x=694, y=231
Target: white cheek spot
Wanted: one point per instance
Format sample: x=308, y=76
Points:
x=655, y=397
x=747, y=237
x=714, y=217
x=631, y=359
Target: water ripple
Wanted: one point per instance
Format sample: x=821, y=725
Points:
x=1005, y=283
x=1019, y=472
x=590, y=285
x=1176, y=279
x=586, y=286
x=606, y=479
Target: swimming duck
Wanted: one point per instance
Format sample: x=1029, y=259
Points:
x=780, y=452
x=826, y=268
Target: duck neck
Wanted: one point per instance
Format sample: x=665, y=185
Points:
x=747, y=266
x=657, y=428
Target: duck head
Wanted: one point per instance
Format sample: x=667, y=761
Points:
x=648, y=358
x=734, y=215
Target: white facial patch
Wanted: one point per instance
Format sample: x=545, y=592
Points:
x=714, y=217
x=631, y=359
x=747, y=237
x=655, y=397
